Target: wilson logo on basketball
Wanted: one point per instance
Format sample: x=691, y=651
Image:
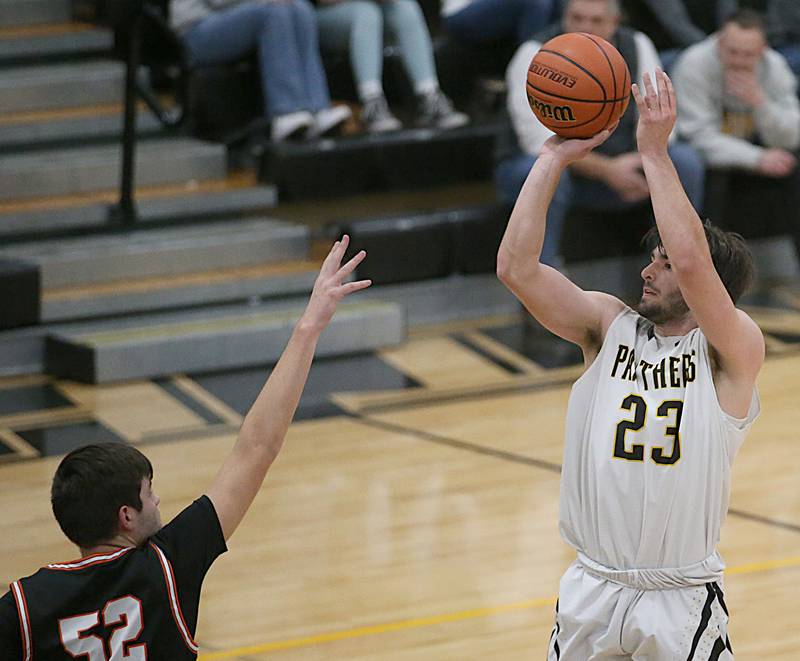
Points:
x=559, y=113
x=551, y=74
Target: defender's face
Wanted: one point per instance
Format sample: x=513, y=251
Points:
x=661, y=300
x=593, y=16
x=148, y=521
x=741, y=49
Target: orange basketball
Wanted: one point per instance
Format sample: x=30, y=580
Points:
x=578, y=84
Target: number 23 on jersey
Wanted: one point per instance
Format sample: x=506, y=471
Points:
x=625, y=445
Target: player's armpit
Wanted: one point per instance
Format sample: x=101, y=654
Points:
x=734, y=337
x=739, y=348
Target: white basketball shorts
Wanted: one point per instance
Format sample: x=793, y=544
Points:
x=600, y=619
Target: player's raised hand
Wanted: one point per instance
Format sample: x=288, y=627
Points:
x=330, y=286
x=657, y=113
x=568, y=150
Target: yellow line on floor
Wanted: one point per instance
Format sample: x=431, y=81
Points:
x=372, y=630
x=417, y=623
x=755, y=567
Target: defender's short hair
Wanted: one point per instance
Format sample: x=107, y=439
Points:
x=91, y=484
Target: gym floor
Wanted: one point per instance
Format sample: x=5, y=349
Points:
x=413, y=511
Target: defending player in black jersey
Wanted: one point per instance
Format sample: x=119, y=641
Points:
x=135, y=591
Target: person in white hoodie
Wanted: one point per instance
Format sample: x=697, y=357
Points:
x=739, y=109
x=284, y=36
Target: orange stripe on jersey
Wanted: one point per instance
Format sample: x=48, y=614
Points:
x=174, y=602
x=24, y=620
x=89, y=560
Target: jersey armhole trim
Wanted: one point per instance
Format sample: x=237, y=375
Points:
x=24, y=620
x=175, y=606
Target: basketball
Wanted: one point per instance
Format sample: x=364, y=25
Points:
x=578, y=84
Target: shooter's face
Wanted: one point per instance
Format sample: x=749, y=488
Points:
x=661, y=300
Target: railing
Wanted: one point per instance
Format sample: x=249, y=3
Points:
x=139, y=23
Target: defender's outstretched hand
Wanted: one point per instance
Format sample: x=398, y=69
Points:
x=574, y=149
x=330, y=286
x=657, y=113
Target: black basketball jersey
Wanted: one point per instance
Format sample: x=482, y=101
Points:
x=134, y=603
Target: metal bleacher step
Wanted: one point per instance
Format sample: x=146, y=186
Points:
x=71, y=85
x=454, y=299
x=234, y=196
x=162, y=252
x=33, y=12
x=402, y=160
x=61, y=129
x=53, y=42
x=458, y=297
x=87, y=169
x=215, y=287
x=222, y=338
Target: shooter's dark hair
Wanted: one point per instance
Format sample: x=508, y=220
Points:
x=729, y=252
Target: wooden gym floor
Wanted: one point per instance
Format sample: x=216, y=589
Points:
x=412, y=513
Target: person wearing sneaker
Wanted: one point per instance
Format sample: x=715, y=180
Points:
x=482, y=21
x=284, y=35
x=357, y=27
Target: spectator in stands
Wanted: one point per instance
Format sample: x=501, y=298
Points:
x=357, y=27
x=738, y=106
x=783, y=23
x=480, y=21
x=676, y=24
x=611, y=178
x=284, y=36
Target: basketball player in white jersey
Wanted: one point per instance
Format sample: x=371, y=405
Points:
x=656, y=419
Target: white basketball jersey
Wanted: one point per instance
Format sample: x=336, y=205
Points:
x=648, y=451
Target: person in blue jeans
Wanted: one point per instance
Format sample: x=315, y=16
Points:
x=284, y=35
x=357, y=27
x=480, y=21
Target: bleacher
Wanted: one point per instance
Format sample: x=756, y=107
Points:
x=206, y=275
x=206, y=265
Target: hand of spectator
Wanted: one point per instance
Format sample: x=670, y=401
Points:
x=657, y=114
x=625, y=175
x=330, y=286
x=776, y=163
x=567, y=151
x=744, y=86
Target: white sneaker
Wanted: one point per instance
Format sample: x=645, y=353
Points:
x=376, y=116
x=436, y=111
x=290, y=125
x=328, y=121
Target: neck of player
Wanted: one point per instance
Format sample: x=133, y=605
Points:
x=110, y=546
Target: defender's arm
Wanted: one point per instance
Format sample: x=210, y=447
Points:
x=265, y=425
